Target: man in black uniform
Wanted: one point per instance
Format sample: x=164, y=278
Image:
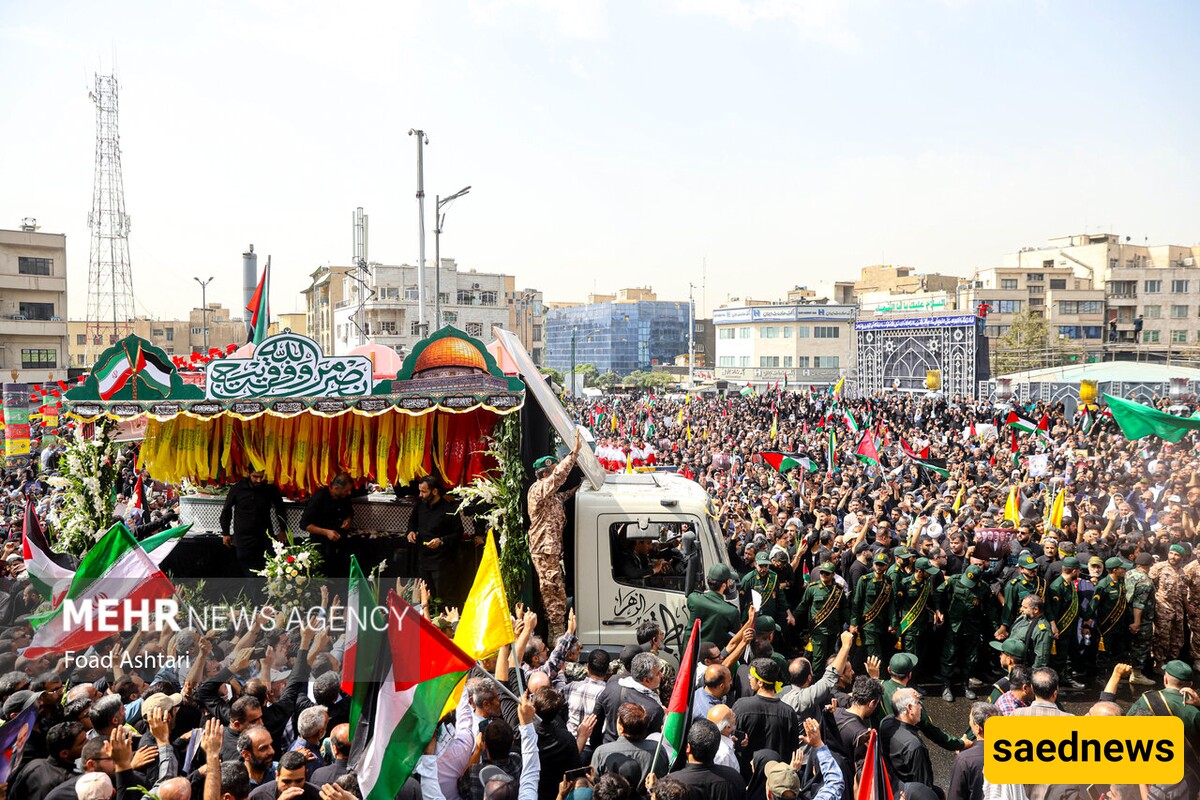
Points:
x=327, y=518
x=248, y=507
x=436, y=529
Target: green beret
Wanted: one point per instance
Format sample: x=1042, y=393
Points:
x=1027, y=562
x=1178, y=548
x=1116, y=562
x=543, y=461
x=1070, y=562
x=826, y=567
x=902, y=664
x=1179, y=670
x=925, y=565
x=719, y=572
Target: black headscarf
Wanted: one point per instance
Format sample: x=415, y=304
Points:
x=757, y=788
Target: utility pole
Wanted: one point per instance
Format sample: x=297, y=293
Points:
x=691, y=335
x=440, y=218
x=574, y=332
x=204, y=306
x=422, y=140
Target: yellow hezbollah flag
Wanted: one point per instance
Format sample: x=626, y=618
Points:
x=1056, y=509
x=958, y=498
x=485, y=625
x=1012, y=508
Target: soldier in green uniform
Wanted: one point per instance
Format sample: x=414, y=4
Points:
x=1140, y=591
x=1062, y=608
x=827, y=609
x=1172, y=701
x=963, y=599
x=916, y=608
x=765, y=581
x=902, y=567
x=871, y=610
x=1026, y=582
x=1111, y=615
x=1012, y=654
x=719, y=618
x=1034, y=631
x=900, y=672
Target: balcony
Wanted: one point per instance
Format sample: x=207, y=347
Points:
x=32, y=327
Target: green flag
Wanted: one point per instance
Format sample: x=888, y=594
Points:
x=1137, y=421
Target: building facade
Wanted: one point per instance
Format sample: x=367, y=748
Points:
x=800, y=345
x=176, y=337
x=33, y=305
x=321, y=297
x=621, y=333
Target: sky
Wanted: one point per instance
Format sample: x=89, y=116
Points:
x=744, y=146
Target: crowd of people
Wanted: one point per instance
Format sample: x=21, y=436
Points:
x=856, y=588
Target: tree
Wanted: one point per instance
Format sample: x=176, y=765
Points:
x=553, y=375
x=649, y=380
x=588, y=371
x=1029, y=344
x=607, y=379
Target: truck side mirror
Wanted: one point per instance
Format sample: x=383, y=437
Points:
x=691, y=559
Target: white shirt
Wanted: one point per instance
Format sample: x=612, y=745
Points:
x=725, y=755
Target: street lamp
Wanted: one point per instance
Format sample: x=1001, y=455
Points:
x=574, y=333
x=437, y=251
x=204, y=306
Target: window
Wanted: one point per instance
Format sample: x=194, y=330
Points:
x=170, y=334
x=449, y=317
x=444, y=298
x=487, y=298
x=537, y=333
x=787, y=331
x=34, y=266
x=415, y=328
x=1008, y=283
x=1034, y=276
x=743, y=361
x=1068, y=331
x=81, y=338
x=1152, y=312
x=465, y=298
x=33, y=358
x=1037, y=289
x=79, y=359
x=1178, y=337
x=787, y=361
x=801, y=331
x=1151, y=337
x=1079, y=331
x=826, y=332
x=1113, y=263
x=475, y=329
x=1036, y=302
x=1092, y=332
x=1048, y=263
x=38, y=311
x=626, y=567
x=1152, y=287
x=197, y=331
x=726, y=333
x=1122, y=288
x=826, y=362
x=769, y=332
x=1058, y=283
x=1008, y=306
x=156, y=333
x=1179, y=312
x=802, y=362
x=387, y=326
x=743, y=333
x=725, y=361
x=1080, y=307
x=1179, y=287
x=392, y=293
x=768, y=361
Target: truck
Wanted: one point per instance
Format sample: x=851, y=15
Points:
x=612, y=513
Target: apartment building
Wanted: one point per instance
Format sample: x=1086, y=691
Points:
x=33, y=305
x=796, y=344
x=180, y=337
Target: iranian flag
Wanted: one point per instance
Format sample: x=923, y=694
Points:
x=116, y=568
x=679, y=711
x=48, y=572
x=866, y=450
x=1017, y=422
x=418, y=669
x=850, y=421
x=113, y=373
x=362, y=642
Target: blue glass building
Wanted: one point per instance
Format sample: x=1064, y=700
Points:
x=617, y=336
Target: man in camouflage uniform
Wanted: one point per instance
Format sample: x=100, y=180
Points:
x=916, y=608
x=1063, y=608
x=1170, y=605
x=546, y=520
x=1111, y=614
x=827, y=609
x=871, y=611
x=963, y=600
x=1191, y=578
x=1025, y=583
x=1140, y=590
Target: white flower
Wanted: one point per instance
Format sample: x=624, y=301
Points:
x=303, y=557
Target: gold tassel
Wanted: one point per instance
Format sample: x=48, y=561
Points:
x=899, y=644
x=1054, y=647
x=1100, y=647
x=808, y=647
x=858, y=639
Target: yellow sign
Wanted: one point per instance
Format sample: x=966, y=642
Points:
x=1083, y=750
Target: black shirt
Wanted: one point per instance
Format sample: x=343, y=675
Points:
x=711, y=782
x=768, y=722
x=326, y=512
x=438, y=521
x=249, y=508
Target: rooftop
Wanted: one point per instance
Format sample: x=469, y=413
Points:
x=1124, y=371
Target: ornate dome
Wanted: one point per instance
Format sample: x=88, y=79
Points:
x=449, y=352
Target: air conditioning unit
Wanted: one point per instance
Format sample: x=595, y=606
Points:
x=474, y=285
x=1189, y=262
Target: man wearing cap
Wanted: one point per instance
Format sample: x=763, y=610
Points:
x=1111, y=614
x=547, y=518
x=765, y=582
x=1172, y=701
x=719, y=618
x=963, y=600
x=1191, y=576
x=916, y=608
x=1012, y=654
x=900, y=672
x=1025, y=583
x=902, y=567
x=826, y=608
x=1032, y=629
x=1140, y=590
x=871, y=611
x=1063, y=607
x=1170, y=605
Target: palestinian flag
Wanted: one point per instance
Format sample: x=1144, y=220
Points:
x=1016, y=457
x=113, y=373
x=260, y=308
x=679, y=711
x=1086, y=420
x=153, y=370
x=139, y=493
x=1137, y=421
x=49, y=572
x=866, y=450
x=937, y=465
x=1017, y=422
x=786, y=462
x=362, y=642
x=874, y=783
x=851, y=422
x=417, y=670
x=1044, y=425
x=831, y=456
x=116, y=568
x=747, y=390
